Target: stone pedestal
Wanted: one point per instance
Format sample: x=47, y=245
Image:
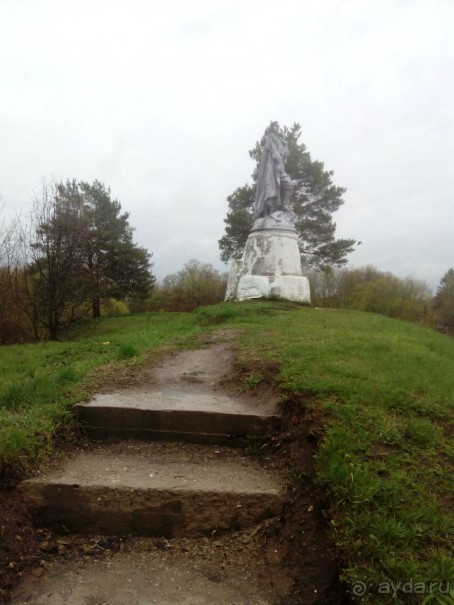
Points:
x=270, y=267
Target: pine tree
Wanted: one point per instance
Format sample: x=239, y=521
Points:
x=118, y=267
x=314, y=200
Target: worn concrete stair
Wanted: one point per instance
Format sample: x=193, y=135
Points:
x=172, y=490
x=156, y=486
x=175, y=415
x=183, y=398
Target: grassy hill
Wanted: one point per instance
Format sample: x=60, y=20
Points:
x=379, y=391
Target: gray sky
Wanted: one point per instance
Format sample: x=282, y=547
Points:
x=161, y=101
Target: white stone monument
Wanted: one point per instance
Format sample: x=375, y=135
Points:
x=271, y=263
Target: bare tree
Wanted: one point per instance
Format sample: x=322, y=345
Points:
x=14, y=326
x=47, y=272
x=5, y=238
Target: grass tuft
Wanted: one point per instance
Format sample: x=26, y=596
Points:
x=127, y=350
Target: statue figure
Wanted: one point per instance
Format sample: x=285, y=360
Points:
x=274, y=186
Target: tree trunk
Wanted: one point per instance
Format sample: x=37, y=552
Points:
x=53, y=331
x=96, y=307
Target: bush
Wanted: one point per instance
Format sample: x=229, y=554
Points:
x=114, y=308
x=195, y=285
x=368, y=289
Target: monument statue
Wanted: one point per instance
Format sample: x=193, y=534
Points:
x=274, y=186
x=270, y=266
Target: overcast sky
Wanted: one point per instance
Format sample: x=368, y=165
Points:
x=161, y=101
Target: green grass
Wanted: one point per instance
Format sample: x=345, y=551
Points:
x=386, y=390
x=39, y=383
x=383, y=390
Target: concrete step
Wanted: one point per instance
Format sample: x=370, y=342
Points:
x=150, y=489
x=176, y=415
x=148, y=571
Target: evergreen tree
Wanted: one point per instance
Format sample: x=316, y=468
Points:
x=314, y=200
x=118, y=267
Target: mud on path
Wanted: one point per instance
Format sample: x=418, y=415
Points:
x=224, y=570
x=210, y=369
x=286, y=560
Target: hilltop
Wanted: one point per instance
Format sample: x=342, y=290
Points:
x=366, y=400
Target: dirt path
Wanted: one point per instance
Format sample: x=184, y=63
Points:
x=196, y=558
